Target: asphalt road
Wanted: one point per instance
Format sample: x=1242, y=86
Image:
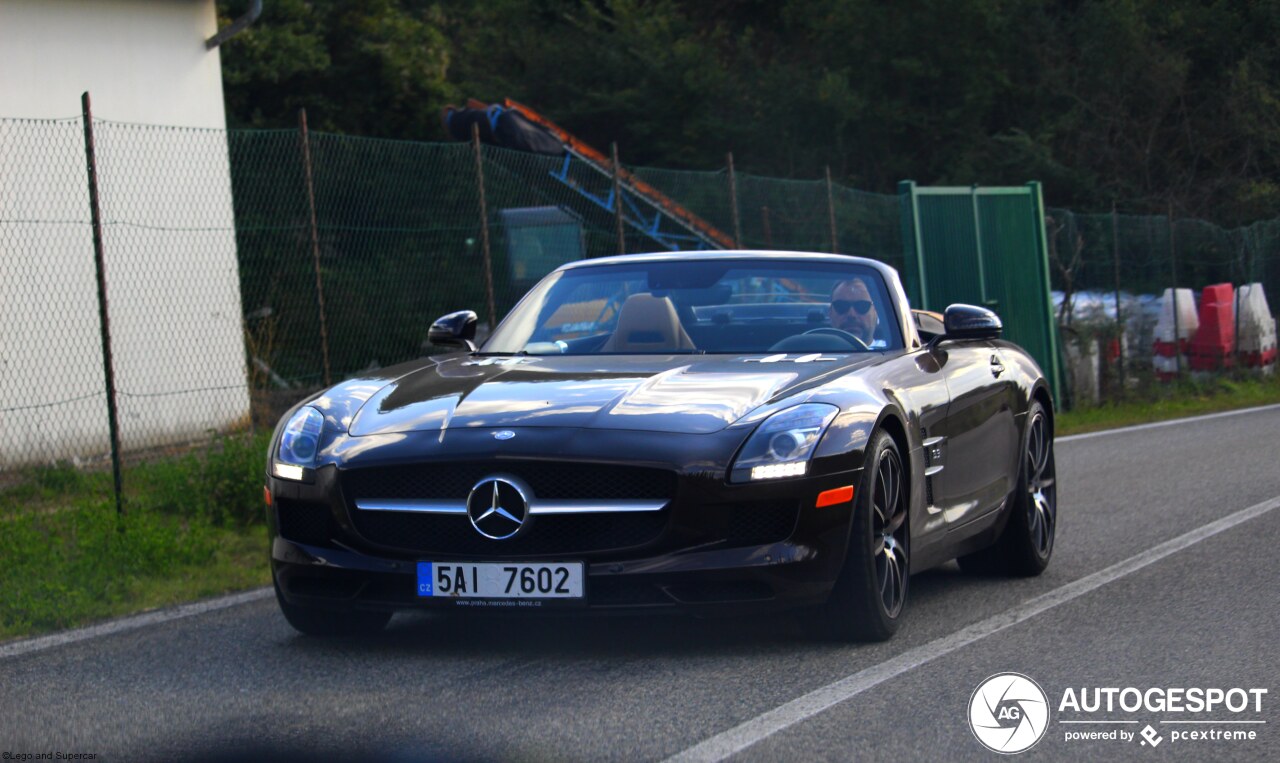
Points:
x=239, y=684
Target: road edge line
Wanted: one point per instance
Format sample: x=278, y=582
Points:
x=748, y=733
x=1167, y=423
x=133, y=622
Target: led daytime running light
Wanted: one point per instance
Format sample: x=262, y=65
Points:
x=776, y=471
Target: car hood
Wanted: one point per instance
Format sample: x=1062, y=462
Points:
x=680, y=393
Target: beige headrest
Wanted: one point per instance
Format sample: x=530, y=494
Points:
x=648, y=324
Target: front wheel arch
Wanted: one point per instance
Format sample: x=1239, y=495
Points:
x=1041, y=395
x=1026, y=538
x=869, y=594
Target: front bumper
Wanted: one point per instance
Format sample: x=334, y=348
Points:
x=717, y=548
x=727, y=581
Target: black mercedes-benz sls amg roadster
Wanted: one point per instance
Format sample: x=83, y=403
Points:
x=697, y=432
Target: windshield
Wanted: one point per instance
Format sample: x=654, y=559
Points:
x=702, y=306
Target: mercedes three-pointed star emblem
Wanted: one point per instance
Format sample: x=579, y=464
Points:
x=499, y=507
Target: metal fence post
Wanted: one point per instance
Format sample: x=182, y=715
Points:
x=977, y=246
x=768, y=229
x=305, y=139
x=831, y=214
x=1173, y=267
x=484, y=229
x=912, y=247
x=104, y=318
x=1042, y=243
x=617, y=200
x=1115, y=258
x=733, y=204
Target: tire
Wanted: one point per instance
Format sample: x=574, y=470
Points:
x=314, y=621
x=1026, y=544
x=871, y=591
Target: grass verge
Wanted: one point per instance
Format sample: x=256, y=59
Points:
x=1173, y=401
x=71, y=567
x=193, y=527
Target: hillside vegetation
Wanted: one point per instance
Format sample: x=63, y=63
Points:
x=1146, y=103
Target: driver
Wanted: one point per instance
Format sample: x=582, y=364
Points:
x=852, y=310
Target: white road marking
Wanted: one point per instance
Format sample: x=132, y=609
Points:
x=1169, y=423
x=746, y=734
x=28, y=646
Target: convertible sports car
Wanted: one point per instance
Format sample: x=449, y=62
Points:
x=697, y=432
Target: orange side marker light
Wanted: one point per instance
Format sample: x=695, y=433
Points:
x=266, y=494
x=835, y=497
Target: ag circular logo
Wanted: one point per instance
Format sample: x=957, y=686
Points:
x=1008, y=713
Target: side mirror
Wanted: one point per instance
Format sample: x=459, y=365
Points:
x=971, y=322
x=455, y=329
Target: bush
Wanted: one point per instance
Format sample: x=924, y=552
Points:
x=221, y=484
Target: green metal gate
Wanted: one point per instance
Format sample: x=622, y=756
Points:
x=983, y=246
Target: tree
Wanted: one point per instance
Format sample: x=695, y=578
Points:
x=1140, y=102
x=376, y=67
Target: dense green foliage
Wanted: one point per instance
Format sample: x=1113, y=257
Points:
x=219, y=483
x=1143, y=102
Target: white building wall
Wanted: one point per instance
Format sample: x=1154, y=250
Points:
x=144, y=61
x=169, y=233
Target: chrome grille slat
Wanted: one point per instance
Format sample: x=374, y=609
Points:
x=574, y=507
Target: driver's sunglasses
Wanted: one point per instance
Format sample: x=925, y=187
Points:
x=841, y=306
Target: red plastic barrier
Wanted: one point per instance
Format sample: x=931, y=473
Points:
x=1165, y=349
x=1257, y=359
x=1214, y=342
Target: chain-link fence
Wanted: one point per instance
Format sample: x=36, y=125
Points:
x=1101, y=261
x=170, y=322
x=242, y=269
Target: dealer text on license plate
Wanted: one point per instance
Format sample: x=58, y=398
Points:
x=496, y=580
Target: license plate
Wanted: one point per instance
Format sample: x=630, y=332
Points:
x=495, y=580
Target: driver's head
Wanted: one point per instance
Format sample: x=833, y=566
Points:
x=852, y=310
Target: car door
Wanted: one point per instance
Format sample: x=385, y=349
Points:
x=918, y=384
x=971, y=451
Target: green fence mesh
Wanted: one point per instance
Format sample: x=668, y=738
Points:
x=244, y=268
x=1095, y=257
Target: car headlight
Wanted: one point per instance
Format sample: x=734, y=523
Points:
x=782, y=444
x=299, y=444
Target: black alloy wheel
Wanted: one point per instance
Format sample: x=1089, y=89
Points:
x=1042, y=493
x=1026, y=544
x=869, y=595
x=889, y=531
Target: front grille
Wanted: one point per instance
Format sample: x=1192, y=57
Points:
x=301, y=522
x=550, y=534
x=700, y=593
x=422, y=533
x=624, y=592
x=325, y=588
x=547, y=480
x=754, y=523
